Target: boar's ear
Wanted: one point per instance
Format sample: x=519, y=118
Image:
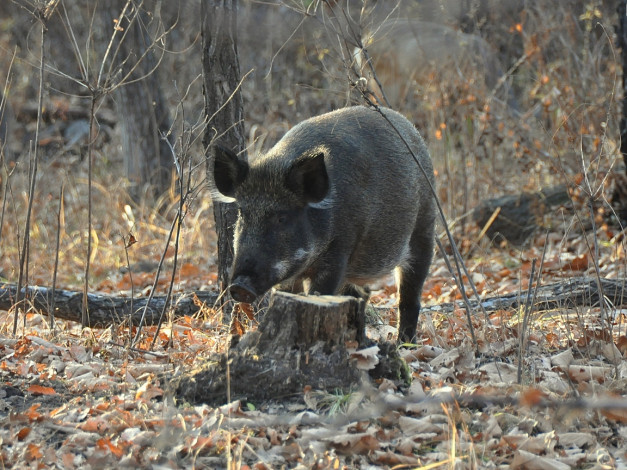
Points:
x=308, y=177
x=228, y=170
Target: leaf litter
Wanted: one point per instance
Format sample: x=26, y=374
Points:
x=75, y=398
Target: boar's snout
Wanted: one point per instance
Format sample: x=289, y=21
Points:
x=241, y=290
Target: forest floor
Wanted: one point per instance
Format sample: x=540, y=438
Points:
x=79, y=398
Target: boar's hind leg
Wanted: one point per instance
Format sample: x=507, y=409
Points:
x=411, y=279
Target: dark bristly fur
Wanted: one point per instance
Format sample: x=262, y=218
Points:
x=339, y=200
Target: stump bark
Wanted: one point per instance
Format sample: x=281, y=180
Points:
x=301, y=340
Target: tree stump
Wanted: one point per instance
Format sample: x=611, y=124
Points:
x=301, y=340
x=303, y=321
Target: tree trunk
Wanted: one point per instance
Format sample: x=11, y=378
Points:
x=224, y=106
x=6, y=124
x=140, y=104
x=622, y=44
x=619, y=198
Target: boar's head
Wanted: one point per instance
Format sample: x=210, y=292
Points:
x=280, y=218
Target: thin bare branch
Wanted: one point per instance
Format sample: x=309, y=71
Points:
x=23, y=277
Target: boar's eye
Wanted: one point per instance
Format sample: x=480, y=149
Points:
x=280, y=218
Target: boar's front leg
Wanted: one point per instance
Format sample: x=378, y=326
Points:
x=328, y=277
x=294, y=286
x=354, y=290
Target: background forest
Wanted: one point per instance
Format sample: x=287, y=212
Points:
x=103, y=130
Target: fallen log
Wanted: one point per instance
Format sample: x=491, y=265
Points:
x=515, y=218
x=105, y=310
x=574, y=292
x=28, y=112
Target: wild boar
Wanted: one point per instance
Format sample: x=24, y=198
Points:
x=337, y=202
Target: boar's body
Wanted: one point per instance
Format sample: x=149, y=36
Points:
x=338, y=201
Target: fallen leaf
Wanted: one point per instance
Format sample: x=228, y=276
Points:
x=540, y=444
x=423, y=353
x=580, y=263
x=585, y=373
x=68, y=459
x=500, y=372
x=562, y=360
x=429, y=424
x=366, y=359
x=148, y=391
x=190, y=270
x=617, y=414
x=41, y=390
x=105, y=443
x=390, y=459
x=33, y=452
x=531, y=397
x=23, y=433
x=611, y=352
x=575, y=439
x=32, y=414
x=95, y=424
x=446, y=359
x=351, y=444
x=528, y=461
